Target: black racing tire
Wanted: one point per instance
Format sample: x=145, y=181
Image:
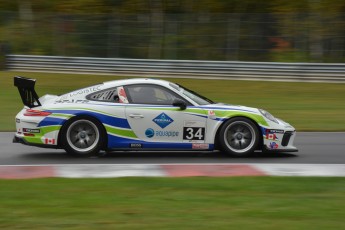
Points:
x=239, y=137
x=83, y=136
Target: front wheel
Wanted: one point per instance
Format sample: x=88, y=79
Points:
x=239, y=137
x=82, y=137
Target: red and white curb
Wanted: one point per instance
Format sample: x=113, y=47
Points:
x=168, y=170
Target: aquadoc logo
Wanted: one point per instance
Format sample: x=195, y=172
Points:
x=163, y=120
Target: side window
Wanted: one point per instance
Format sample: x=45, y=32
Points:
x=109, y=95
x=150, y=94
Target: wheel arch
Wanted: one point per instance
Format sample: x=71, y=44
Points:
x=216, y=137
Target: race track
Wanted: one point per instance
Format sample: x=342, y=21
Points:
x=314, y=148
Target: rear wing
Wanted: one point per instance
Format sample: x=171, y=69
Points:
x=26, y=88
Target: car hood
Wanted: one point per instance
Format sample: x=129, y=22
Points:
x=220, y=106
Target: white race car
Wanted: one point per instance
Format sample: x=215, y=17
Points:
x=144, y=114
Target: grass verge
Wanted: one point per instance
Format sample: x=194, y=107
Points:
x=173, y=203
x=307, y=106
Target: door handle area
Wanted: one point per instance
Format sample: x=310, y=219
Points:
x=136, y=116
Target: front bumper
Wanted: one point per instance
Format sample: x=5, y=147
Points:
x=279, y=137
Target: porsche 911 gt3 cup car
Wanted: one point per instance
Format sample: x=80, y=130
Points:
x=144, y=114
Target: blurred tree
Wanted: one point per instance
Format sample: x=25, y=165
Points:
x=282, y=30
x=6, y=5
x=309, y=31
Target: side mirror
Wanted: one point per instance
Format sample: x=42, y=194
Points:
x=180, y=103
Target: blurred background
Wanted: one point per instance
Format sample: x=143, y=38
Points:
x=251, y=30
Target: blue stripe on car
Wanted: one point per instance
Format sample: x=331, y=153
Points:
x=109, y=120
x=51, y=121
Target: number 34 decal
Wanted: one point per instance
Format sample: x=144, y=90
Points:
x=193, y=133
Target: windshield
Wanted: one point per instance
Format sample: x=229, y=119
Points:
x=201, y=100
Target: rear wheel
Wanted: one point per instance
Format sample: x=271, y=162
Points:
x=239, y=137
x=82, y=136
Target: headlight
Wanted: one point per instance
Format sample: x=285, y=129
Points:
x=268, y=116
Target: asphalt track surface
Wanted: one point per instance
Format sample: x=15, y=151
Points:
x=314, y=148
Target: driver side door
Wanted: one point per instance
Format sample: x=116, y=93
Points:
x=156, y=121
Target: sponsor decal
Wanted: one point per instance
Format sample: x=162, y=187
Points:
x=71, y=101
x=194, y=131
x=86, y=90
x=200, y=146
x=163, y=120
x=149, y=133
x=26, y=130
x=270, y=134
x=136, y=145
x=167, y=133
x=273, y=145
x=275, y=131
x=194, y=124
x=49, y=141
x=211, y=114
x=160, y=133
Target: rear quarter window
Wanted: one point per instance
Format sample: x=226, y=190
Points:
x=108, y=95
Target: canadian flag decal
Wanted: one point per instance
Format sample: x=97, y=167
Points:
x=49, y=141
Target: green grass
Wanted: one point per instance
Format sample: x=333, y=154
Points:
x=307, y=106
x=174, y=203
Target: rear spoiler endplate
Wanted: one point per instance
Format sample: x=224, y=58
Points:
x=26, y=88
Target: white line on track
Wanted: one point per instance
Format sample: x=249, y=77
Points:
x=160, y=170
